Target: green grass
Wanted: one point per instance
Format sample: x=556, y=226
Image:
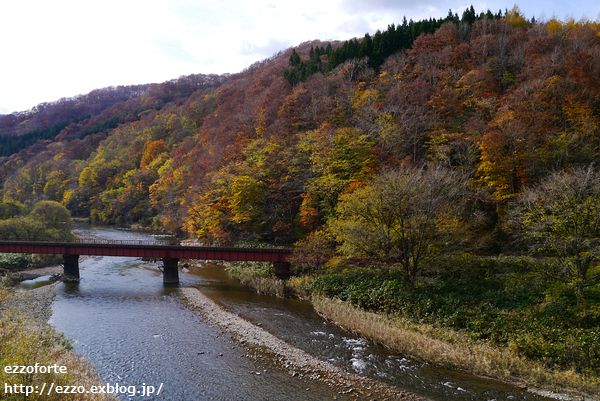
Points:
x=258, y=276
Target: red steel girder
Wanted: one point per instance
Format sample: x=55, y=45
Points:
x=146, y=250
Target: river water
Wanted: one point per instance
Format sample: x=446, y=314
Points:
x=136, y=332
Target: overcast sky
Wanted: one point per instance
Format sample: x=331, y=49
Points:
x=60, y=48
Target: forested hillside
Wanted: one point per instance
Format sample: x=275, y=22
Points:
x=98, y=111
x=503, y=100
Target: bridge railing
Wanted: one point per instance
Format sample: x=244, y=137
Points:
x=97, y=241
x=101, y=241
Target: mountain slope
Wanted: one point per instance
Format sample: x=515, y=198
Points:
x=98, y=111
x=252, y=157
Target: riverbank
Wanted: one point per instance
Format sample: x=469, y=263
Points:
x=14, y=264
x=455, y=350
x=294, y=360
x=26, y=338
x=30, y=274
x=425, y=338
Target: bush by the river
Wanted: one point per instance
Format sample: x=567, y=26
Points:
x=258, y=276
x=21, y=261
x=47, y=221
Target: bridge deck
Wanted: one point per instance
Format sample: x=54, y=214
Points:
x=147, y=250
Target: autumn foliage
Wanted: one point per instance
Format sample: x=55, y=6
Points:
x=504, y=100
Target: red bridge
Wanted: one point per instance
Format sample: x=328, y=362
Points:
x=170, y=254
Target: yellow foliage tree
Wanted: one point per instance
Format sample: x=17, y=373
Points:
x=151, y=151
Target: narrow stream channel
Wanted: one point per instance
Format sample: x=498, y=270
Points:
x=135, y=331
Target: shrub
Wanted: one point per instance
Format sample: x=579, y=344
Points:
x=14, y=261
x=311, y=253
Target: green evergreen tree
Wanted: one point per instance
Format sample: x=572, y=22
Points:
x=469, y=16
x=295, y=59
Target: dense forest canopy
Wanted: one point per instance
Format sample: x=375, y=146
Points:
x=266, y=154
x=376, y=49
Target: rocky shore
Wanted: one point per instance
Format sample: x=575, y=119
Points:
x=34, y=305
x=296, y=361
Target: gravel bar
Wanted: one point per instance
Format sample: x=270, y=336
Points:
x=293, y=359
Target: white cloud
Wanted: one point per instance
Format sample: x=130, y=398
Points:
x=52, y=49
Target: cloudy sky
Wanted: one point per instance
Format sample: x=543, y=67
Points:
x=61, y=48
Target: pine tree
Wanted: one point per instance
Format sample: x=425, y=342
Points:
x=469, y=16
x=295, y=59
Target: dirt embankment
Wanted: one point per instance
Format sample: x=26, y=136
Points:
x=293, y=359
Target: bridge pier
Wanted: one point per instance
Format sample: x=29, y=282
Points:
x=71, y=268
x=282, y=270
x=170, y=272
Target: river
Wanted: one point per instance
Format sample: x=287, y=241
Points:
x=134, y=331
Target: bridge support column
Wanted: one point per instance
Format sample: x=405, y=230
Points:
x=282, y=270
x=71, y=268
x=170, y=272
